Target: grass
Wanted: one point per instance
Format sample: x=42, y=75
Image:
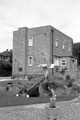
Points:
x=10, y=99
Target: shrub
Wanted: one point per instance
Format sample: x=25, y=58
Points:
x=67, y=77
x=76, y=87
x=70, y=82
x=5, y=68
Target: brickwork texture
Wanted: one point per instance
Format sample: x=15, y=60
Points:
x=43, y=49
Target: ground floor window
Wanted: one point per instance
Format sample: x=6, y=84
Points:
x=63, y=62
x=30, y=60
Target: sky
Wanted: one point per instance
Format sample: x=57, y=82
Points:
x=61, y=14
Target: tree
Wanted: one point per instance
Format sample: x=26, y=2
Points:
x=76, y=51
x=6, y=64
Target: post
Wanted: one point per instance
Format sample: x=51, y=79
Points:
x=52, y=32
x=53, y=99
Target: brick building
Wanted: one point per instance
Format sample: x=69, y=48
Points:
x=34, y=46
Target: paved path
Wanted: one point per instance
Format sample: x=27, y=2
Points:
x=42, y=105
x=5, y=78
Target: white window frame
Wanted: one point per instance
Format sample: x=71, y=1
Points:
x=56, y=42
x=30, y=41
x=63, y=45
x=63, y=63
x=29, y=62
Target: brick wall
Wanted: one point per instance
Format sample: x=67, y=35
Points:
x=15, y=54
x=40, y=49
x=60, y=37
x=19, y=51
x=43, y=49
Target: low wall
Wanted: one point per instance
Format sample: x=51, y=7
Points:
x=63, y=111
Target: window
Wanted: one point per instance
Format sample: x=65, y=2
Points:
x=30, y=60
x=63, y=62
x=30, y=42
x=63, y=45
x=56, y=43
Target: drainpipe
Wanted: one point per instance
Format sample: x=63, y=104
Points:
x=52, y=49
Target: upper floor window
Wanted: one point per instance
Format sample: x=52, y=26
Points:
x=30, y=41
x=69, y=47
x=63, y=45
x=30, y=60
x=63, y=62
x=56, y=42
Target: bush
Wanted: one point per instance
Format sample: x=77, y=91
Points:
x=5, y=68
x=69, y=82
x=76, y=87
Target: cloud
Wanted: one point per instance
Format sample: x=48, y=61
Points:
x=62, y=14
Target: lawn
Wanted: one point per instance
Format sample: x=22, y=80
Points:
x=9, y=98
